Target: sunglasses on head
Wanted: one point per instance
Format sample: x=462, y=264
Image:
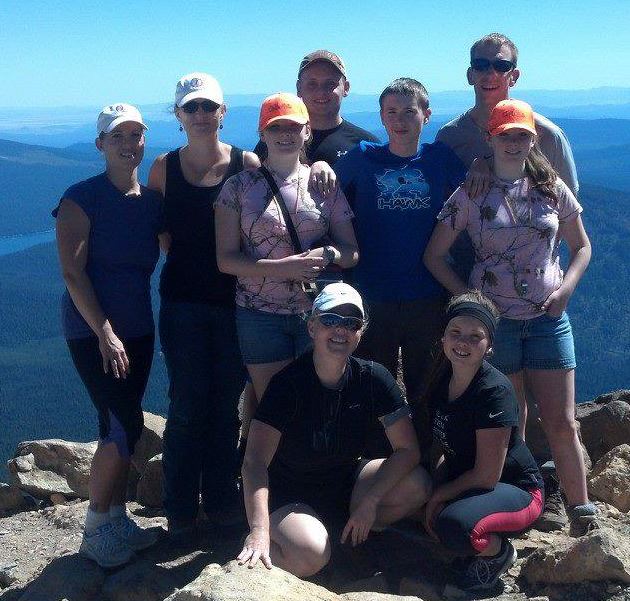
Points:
x=207, y=106
x=500, y=65
x=332, y=320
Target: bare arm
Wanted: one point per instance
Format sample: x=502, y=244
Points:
x=435, y=255
x=230, y=258
x=262, y=444
x=344, y=244
x=73, y=231
x=157, y=182
x=157, y=175
x=405, y=457
x=580, y=256
x=250, y=160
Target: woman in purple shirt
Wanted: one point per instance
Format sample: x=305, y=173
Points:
x=516, y=229
x=107, y=236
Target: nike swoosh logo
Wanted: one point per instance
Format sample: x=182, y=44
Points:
x=491, y=415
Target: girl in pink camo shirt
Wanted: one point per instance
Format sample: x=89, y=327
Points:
x=254, y=244
x=516, y=229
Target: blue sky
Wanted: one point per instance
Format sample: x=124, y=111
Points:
x=91, y=53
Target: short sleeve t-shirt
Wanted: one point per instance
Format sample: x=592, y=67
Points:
x=396, y=200
x=326, y=430
x=469, y=142
x=264, y=234
x=514, y=232
x=488, y=402
x=123, y=250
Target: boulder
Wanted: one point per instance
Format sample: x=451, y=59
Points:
x=149, y=490
x=150, y=443
x=369, y=596
x=46, y=467
x=603, y=554
x=11, y=498
x=610, y=479
x=239, y=583
x=69, y=577
x=606, y=427
x=140, y=581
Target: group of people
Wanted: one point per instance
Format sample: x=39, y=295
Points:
x=297, y=277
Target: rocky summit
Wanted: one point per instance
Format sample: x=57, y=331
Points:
x=43, y=506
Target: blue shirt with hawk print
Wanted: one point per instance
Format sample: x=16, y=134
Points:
x=396, y=201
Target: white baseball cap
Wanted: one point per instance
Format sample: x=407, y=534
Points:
x=198, y=85
x=115, y=114
x=335, y=295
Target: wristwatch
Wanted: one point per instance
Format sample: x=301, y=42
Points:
x=329, y=255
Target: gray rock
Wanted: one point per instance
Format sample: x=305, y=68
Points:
x=606, y=427
x=239, y=583
x=149, y=490
x=370, y=596
x=69, y=577
x=150, y=443
x=610, y=479
x=603, y=554
x=139, y=581
x=45, y=467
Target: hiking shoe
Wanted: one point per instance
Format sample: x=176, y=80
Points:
x=554, y=516
x=135, y=537
x=582, y=518
x=105, y=548
x=484, y=572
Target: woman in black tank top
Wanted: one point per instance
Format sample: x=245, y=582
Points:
x=197, y=328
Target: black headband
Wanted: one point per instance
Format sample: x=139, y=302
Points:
x=474, y=310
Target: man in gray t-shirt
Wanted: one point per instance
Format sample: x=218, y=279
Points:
x=492, y=73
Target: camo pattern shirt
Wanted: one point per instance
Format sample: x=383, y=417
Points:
x=515, y=232
x=264, y=234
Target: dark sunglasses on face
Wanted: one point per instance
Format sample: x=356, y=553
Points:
x=332, y=320
x=500, y=65
x=207, y=106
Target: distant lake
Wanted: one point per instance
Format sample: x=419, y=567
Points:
x=14, y=244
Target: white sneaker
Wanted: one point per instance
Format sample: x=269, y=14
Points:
x=105, y=548
x=132, y=535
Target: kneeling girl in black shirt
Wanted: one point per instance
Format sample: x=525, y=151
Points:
x=487, y=483
x=303, y=474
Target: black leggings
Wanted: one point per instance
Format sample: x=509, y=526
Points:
x=118, y=401
x=465, y=524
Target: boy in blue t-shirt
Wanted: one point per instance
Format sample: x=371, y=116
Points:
x=396, y=191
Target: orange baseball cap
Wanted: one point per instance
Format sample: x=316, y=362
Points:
x=511, y=114
x=282, y=106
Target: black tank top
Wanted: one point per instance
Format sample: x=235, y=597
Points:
x=190, y=273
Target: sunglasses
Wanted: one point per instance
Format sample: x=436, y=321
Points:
x=500, y=65
x=332, y=320
x=207, y=106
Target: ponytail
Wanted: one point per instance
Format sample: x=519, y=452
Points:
x=541, y=174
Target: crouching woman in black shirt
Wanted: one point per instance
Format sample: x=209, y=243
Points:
x=303, y=475
x=487, y=484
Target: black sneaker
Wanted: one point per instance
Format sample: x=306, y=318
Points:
x=484, y=572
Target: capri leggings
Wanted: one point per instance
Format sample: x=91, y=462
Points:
x=118, y=401
x=465, y=524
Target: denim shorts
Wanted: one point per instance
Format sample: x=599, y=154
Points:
x=545, y=342
x=270, y=337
